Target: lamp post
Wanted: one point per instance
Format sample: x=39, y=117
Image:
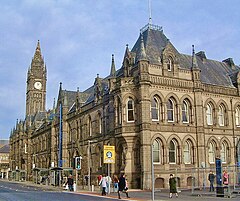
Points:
x=153, y=178
x=89, y=168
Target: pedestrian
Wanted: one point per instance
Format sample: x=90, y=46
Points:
x=109, y=182
x=173, y=186
x=225, y=177
x=103, y=183
x=86, y=179
x=70, y=182
x=122, y=186
x=115, y=183
x=211, y=178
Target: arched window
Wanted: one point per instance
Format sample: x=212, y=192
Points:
x=187, y=152
x=224, y=152
x=130, y=110
x=185, y=111
x=221, y=117
x=173, y=152
x=209, y=114
x=170, y=110
x=211, y=152
x=156, y=151
x=155, y=109
x=169, y=64
x=237, y=116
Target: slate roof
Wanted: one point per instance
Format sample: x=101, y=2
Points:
x=154, y=41
x=212, y=72
x=5, y=149
x=39, y=116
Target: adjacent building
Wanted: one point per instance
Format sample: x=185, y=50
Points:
x=161, y=108
x=4, y=159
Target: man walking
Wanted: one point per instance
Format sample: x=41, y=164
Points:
x=70, y=182
x=211, y=178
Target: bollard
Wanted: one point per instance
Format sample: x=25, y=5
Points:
x=92, y=188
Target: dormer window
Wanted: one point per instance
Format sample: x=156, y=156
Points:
x=169, y=64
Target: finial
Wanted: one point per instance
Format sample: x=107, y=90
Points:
x=194, y=59
x=113, y=69
x=193, y=51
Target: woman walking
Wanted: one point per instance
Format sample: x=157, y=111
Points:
x=172, y=185
x=103, y=184
x=122, y=186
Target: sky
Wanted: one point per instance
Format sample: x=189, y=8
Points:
x=78, y=37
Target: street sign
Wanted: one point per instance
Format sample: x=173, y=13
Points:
x=109, y=154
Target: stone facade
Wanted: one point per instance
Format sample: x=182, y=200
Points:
x=4, y=159
x=184, y=110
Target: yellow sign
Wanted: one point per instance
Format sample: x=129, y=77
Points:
x=109, y=154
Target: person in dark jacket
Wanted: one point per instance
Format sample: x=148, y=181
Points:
x=70, y=182
x=122, y=186
x=211, y=178
x=173, y=186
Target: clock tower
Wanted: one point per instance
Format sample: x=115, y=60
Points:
x=36, y=84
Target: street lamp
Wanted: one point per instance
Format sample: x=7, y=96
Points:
x=89, y=168
x=153, y=178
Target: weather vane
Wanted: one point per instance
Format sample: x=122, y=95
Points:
x=150, y=11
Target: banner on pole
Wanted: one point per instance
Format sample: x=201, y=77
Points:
x=109, y=154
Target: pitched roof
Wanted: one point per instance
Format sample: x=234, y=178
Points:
x=154, y=41
x=5, y=149
x=212, y=72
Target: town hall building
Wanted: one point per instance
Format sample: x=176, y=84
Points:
x=161, y=108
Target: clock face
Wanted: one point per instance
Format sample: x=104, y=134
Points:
x=38, y=85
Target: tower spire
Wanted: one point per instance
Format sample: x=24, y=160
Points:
x=113, y=69
x=143, y=55
x=38, y=54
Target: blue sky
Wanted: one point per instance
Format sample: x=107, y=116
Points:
x=77, y=38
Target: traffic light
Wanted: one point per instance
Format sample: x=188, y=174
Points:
x=78, y=162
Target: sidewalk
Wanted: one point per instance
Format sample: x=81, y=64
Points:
x=137, y=194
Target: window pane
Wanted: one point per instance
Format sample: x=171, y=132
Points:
x=130, y=111
x=209, y=115
x=221, y=116
x=185, y=112
x=172, y=152
x=237, y=116
x=211, y=153
x=154, y=109
x=170, y=110
x=187, y=153
x=223, y=152
x=156, y=152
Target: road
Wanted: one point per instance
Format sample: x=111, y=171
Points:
x=22, y=192
x=27, y=191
